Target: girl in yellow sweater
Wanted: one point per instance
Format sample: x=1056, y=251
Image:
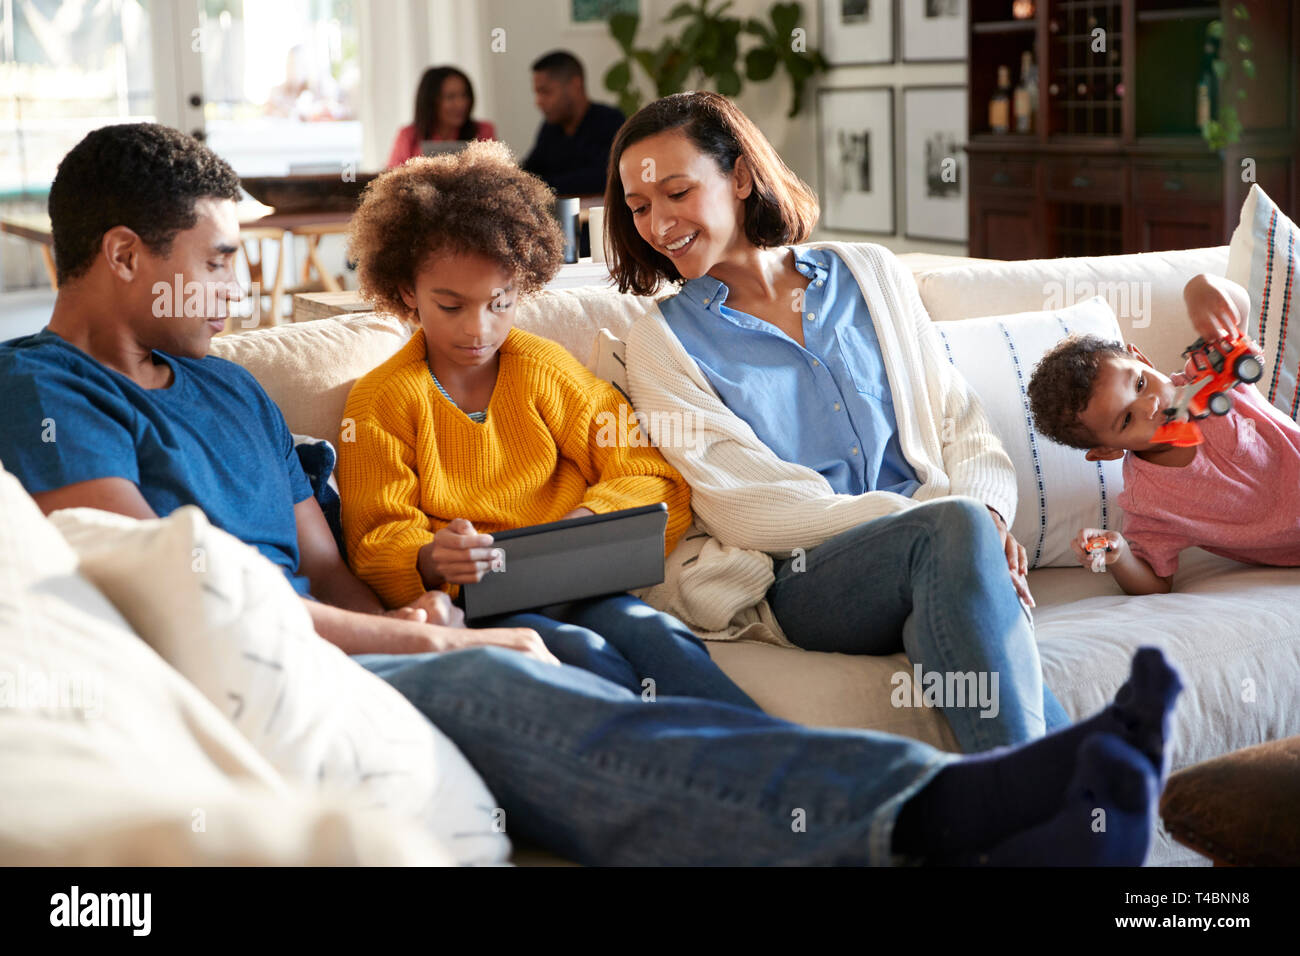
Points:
x=474, y=426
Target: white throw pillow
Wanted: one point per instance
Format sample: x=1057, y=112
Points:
x=226, y=618
x=1262, y=257
x=108, y=757
x=1059, y=492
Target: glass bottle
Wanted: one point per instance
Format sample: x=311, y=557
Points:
x=1026, y=94
x=1000, y=104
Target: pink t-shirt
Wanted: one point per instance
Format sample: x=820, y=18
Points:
x=1239, y=498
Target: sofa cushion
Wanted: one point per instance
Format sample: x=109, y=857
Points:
x=1262, y=257
x=228, y=620
x=1058, y=490
x=573, y=317
x=109, y=757
x=309, y=368
x=1144, y=289
x=1228, y=627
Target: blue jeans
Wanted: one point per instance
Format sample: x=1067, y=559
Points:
x=626, y=641
x=931, y=581
x=590, y=770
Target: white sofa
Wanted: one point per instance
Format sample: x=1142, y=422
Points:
x=1232, y=630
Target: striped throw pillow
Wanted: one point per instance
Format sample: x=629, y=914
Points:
x=1262, y=257
x=1059, y=491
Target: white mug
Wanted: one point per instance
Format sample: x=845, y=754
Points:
x=596, y=232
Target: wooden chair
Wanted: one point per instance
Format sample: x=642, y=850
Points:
x=250, y=241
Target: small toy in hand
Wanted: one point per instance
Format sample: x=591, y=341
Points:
x=1212, y=371
x=1097, y=547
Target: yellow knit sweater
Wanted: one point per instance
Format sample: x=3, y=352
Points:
x=556, y=438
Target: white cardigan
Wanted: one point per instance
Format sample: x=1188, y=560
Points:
x=751, y=505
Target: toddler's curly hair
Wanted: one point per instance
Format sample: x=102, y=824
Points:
x=1062, y=385
x=476, y=201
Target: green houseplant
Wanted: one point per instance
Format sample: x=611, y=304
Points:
x=707, y=51
x=1225, y=128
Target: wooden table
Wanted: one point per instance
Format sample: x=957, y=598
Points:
x=308, y=306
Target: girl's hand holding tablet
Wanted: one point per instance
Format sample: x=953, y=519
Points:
x=457, y=555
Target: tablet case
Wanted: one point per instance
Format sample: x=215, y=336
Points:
x=571, y=560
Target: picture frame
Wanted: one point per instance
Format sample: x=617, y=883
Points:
x=932, y=31
x=587, y=16
x=857, y=32
x=936, y=185
x=855, y=159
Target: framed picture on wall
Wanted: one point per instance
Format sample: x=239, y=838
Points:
x=855, y=139
x=594, y=14
x=932, y=30
x=934, y=163
x=856, y=32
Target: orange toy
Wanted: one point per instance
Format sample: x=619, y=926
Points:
x=1097, y=547
x=1212, y=370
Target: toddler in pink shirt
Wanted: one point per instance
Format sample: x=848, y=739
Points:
x=1236, y=495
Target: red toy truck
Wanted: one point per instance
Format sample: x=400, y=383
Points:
x=1213, y=370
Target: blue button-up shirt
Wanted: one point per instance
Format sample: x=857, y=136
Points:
x=825, y=405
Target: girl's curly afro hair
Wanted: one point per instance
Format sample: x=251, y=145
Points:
x=476, y=201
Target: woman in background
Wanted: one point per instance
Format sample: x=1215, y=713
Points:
x=444, y=103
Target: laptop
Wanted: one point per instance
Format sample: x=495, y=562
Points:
x=436, y=147
x=571, y=560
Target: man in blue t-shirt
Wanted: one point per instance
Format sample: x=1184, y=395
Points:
x=116, y=405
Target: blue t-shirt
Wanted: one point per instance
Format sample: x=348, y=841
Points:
x=826, y=404
x=213, y=438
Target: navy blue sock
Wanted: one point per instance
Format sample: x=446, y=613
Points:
x=983, y=799
x=1107, y=816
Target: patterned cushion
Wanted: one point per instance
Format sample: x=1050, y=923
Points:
x=1059, y=491
x=223, y=616
x=1262, y=257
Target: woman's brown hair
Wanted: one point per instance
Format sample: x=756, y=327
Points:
x=780, y=209
x=428, y=96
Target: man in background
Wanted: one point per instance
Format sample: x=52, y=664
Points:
x=572, y=148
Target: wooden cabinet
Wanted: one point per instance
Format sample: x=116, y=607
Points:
x=1116, y=161
x=1008, y=229
x=1168, y=225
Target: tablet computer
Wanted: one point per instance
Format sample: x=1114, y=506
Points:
x=437, y=147
x=571, y=560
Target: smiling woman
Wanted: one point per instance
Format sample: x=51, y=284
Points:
x=836, y=440
x=784, y=208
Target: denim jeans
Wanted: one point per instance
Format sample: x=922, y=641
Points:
x=931, y=581
x=626, y=641
x=590, y=770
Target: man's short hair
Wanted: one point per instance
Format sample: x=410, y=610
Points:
x=140, y=175
x=1062, y=385
x=561, y=65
